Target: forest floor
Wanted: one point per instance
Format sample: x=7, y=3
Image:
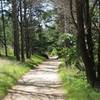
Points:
x=42, y=83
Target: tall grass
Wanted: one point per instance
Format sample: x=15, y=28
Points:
x=76, y=86
x=11, y=70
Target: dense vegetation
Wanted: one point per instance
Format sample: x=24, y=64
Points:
x=86, y=18
x=67, y=28
x=75, y=85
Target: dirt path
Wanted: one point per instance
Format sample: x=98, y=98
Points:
x=39, y=84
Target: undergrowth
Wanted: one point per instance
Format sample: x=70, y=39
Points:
x=76, y=86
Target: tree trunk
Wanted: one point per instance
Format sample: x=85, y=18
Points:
x=27, y=39
x=22, y=34
x=3, y=26
x=98, y=67
x=15, y=29
x=87, y=19
x=89, y=66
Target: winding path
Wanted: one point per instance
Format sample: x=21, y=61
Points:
x=40, y=84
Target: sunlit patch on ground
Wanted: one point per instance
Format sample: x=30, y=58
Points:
x=42, y=83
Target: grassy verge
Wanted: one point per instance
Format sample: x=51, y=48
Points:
x=11, y=70
x=75, y=85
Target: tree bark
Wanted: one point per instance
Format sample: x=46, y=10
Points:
x=15, y=29
x=89, y=34
x=3, y=26
x=89, y=66
x=27, y=37
x=98, y=67
x=22, y=34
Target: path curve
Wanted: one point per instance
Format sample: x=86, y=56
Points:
x=40, y=84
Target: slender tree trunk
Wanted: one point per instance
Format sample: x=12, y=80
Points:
x=98, y=67
x=22, y=34
x=27, y=39
x=88, y=30
x=15, y=29
x=31, y=48
x=3, y=25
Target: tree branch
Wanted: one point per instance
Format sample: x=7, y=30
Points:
x=72, y=15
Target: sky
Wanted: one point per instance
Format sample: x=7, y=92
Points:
x=47, y=5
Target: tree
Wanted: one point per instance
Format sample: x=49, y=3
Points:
x=3, y=26
x=26, y=30
x=85, y=37
x=15, y=29
x=21, y=31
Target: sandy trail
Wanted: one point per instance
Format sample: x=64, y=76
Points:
x=42, y=83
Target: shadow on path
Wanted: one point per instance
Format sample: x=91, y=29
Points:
x=40, y=84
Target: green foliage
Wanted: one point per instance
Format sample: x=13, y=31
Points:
x=10, y=51
x=76, y=86
x=67, y=48
x=69, y=51
x=53, y=52
x=66, y=40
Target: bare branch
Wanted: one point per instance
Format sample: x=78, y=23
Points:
x=72, y=15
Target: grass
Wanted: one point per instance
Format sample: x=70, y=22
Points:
x=76, y=86
x=11, y=70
